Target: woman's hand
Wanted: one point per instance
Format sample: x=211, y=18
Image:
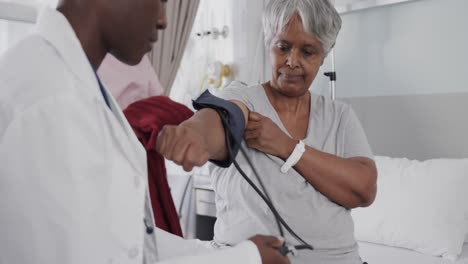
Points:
x=265, y=136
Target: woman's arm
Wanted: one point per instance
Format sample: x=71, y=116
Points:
x=196, y=140
x=350, y=182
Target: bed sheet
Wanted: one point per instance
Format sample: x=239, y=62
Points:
x=380, y=254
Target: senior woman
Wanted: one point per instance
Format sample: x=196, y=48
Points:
x=335, y=172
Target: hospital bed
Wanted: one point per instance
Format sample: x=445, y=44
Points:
x=381, y=254
x=412, y=106
x=419, y=127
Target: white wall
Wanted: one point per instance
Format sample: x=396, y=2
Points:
x=13, y=31
x=413, y=48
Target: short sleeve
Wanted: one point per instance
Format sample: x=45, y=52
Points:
x=355, y=142
x=236, y=91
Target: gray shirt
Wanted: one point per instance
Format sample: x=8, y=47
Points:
x=333, y=128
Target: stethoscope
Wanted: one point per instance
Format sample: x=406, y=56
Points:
x=285, y=249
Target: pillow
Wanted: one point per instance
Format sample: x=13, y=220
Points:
x=419, y=206
x=466, y=223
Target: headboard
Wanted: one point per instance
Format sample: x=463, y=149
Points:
x=415, y=126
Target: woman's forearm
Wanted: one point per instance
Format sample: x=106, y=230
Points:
x=208, y=125
x=350, y=182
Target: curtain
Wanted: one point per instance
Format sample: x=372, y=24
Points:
x=168, y=51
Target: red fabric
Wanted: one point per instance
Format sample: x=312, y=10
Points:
x=147, y=117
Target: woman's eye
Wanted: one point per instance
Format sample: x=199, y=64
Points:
x=283, y=48
x=308, y=53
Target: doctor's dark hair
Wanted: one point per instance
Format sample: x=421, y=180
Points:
x=319, y=18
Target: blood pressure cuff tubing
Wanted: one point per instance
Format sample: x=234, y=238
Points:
x=235, y=122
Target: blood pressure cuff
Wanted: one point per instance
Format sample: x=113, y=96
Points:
x=235, y=122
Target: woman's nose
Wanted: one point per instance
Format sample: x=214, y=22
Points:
x=293, y=59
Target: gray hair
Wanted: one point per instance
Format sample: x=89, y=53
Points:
x=319, y=18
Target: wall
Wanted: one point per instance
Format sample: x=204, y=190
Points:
x=421, y=127
x=13, y=31
x=412, y=48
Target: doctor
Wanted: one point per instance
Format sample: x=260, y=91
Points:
x=73, y=179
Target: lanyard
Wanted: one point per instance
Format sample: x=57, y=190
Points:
x=103, y=92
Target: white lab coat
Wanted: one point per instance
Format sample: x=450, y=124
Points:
x=73, y=179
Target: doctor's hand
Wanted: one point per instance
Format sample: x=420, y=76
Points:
x=182, y=145
x=268, y=247
x=264, y=135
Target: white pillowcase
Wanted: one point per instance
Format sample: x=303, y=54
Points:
x=419, y=205
x=466, y=223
